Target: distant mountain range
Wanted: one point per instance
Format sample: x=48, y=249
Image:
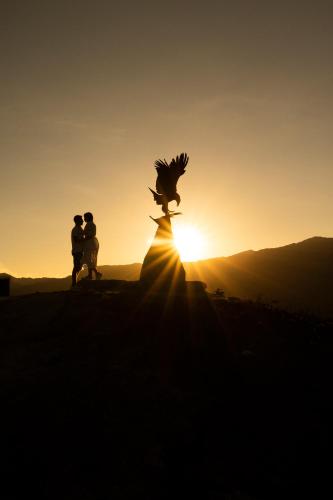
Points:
x=297, y=276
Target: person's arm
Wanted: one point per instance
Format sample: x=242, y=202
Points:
x=77, y=235
x=78, y=239
x=89, y=233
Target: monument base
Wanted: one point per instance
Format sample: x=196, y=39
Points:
x=162, y=268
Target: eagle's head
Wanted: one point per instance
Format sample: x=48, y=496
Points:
x=177, y=198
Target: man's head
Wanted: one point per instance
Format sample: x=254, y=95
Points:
x=78, y=220
x=88, y=217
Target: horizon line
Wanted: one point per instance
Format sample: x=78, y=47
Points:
x=185, y=262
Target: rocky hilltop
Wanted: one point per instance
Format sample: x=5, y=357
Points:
x=110, y=394
x=297, y=276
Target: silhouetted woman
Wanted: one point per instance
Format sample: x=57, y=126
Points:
x=91, y=246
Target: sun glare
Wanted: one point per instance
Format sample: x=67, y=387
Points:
x=189, y=242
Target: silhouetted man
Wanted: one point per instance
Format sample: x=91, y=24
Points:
x=77, y=247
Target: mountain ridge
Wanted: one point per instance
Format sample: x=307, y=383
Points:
x=243, y=252
x=298, y=275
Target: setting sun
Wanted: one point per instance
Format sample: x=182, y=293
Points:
x=189, y=242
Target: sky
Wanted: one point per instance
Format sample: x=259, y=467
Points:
x=93, y=92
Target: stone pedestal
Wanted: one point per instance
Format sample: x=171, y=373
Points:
x=162, y=268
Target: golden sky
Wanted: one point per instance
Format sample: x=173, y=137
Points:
x=92, y=93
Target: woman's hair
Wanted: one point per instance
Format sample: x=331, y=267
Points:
x=77, y=218
x=89, y=216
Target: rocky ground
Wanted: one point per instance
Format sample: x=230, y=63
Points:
x=127, y=395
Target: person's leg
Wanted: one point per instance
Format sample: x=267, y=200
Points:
x=97, y=274
x=77, y=267
x=74, y=276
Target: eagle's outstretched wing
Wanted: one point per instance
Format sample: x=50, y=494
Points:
x=168, y=175
x=177, y=166
x=163, y=176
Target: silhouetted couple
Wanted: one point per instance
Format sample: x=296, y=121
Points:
x=84, y=247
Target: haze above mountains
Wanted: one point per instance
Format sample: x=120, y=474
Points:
x=298, y=276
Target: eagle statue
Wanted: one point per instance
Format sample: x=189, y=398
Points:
x=166, y=182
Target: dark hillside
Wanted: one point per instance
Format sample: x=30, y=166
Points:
x=20, y=286
x=297, y=276
x=126, y=396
